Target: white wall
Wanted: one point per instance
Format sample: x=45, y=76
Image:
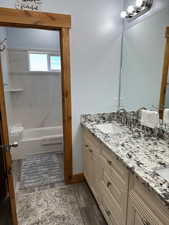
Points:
x=94, y=58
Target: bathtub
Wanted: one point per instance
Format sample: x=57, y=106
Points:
x=39, y=140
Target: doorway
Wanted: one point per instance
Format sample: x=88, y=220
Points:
x=33, y=95
x=46, y=21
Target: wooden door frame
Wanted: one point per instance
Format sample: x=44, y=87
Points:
x=48, y=21
x=164, y=75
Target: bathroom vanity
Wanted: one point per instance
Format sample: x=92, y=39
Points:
x=121, y=171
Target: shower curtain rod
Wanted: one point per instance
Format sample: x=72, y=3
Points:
x=2, y=45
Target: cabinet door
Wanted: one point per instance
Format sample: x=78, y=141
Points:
x=88, y=166
x=98, y=172
x=139, y=220
x=143, y=207
x=136, y=219
x=141, y=217
x=109, y=210
x=140, y=214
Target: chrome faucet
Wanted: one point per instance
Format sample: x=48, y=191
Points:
x=121, y=116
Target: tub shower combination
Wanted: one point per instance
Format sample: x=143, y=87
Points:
x=36, y=141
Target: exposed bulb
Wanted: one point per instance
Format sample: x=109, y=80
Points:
x=139, y=3
x=130, y=9
x=123, y=14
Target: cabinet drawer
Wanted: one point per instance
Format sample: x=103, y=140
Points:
x=99, y=166
x=88, y=167
x=118, y=192
x=115, y=177
x=98, y=172
x=137, y=205
x=138, y=220
x=115, y=164
x=111, y=209
x=92, y=143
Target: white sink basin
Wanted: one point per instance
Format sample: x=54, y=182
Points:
x=109, y=128
x=164, y=173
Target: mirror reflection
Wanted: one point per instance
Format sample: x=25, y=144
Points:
x=143, y=52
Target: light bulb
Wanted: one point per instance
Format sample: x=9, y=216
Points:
x=123, y=14
x=130, y=9
x=139, y=3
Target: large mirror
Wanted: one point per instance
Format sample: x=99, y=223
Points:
x=144, y=44
x=164, y=94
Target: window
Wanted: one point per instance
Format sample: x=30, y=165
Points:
x=38, y=62
x=55, y=62
x=44, y=62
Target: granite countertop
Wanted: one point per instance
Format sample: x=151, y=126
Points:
x=141, y=156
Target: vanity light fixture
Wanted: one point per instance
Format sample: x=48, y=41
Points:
x=123, y=14
x=141, y=7
x=130, y=9
x=139, y=3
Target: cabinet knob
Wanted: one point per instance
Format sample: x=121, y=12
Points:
x=108, y=212
x=145, y=222
x=90, y=150
x=108, y=184
x=109, y=162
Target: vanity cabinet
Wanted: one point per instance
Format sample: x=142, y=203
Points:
x=108, y=180
x=115, y=187
x=122, y=198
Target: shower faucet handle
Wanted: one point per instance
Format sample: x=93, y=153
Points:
x=7, y=148
x=14, y=145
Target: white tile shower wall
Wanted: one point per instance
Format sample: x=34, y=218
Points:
x=40, y=103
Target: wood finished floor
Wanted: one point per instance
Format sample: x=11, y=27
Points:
x=89, y=209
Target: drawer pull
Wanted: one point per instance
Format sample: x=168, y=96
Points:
x=109, y=162
x=145, y=222
x=87, y=146
x=108, y=212
x=108, y=184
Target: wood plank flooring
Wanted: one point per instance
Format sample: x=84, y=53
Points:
x=89, y=209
